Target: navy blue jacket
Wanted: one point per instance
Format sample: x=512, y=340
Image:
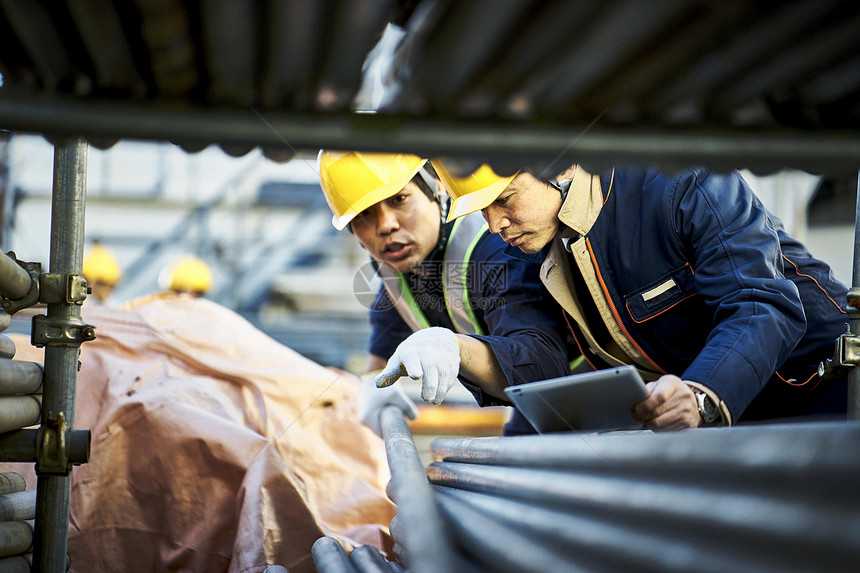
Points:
x=523, y=324
x=751, y=313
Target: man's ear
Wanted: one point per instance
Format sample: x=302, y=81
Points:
x=566, y=174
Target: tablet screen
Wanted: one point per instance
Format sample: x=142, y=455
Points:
x=593, y=401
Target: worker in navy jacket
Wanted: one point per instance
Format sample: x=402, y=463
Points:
x=475, y=312
x=688, y=277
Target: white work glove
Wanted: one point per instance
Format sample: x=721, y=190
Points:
x=372, y=399
x=430, y=355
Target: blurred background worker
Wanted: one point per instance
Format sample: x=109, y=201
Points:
x=189, y=275
x=474, y=312
x=101, y=269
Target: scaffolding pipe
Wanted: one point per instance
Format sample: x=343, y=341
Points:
x=61, y=361
x=7, y=346
x=17, y=563
x=16, y=537
x=329, y=556
x=20, y=446
x=15, y=281
x=424, y=540
x=18, y=377
x=18, y=506
x=827, y=152
x=854, y=314
x=18, y=412
x=11, y=482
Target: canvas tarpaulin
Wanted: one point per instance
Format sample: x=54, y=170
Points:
x=215, y=448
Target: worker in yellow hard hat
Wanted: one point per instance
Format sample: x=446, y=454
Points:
x=102, y=271
x=190, y=275
x=685, y=276
x=449, y=295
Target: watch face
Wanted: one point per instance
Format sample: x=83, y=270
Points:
x=710, y=410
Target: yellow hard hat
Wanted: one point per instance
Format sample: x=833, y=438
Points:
x=190, y=274
x=101, y=266
x=352, y=181
x=473, y=192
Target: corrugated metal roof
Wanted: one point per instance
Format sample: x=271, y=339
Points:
x=735, y=83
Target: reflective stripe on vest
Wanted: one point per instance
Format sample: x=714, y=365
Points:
x=465, y=234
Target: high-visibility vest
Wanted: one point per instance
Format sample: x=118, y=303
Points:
x=465, y=234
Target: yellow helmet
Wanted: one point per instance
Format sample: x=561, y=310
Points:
x=473, y=192
x=101, y=266
x=190, y=274
x=352, y=181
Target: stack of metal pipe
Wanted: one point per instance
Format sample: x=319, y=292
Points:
x=771, y=498
x=775, y=498
x=20, y=406
x=17, y=522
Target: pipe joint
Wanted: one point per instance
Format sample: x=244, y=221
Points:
x=63, y=289
x=845, y=356
x=68, y=332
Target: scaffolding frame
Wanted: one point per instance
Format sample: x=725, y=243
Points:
x=56, y=446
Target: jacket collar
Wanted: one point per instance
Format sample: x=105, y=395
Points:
x=584, y=200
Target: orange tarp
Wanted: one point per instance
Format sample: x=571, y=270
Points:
x=215, y=448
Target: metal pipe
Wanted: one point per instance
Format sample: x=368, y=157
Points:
x=15, y=281
x=329, y=556
x=18, y=377
x=761, y=150
x=497, y=548
x=424, y=540
x=18, y=506
x=20, y=446
x=16, y=537
x=396, y=531
x=592, y=542
x=790, y=450
x=854, y=314
x=18, y=412
x=367, y=559
x=7, y=346
x=17, y=563
x=61, y=362
x=11, y=482
x=801, y=525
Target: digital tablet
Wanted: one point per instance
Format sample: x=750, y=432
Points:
x=593, y=401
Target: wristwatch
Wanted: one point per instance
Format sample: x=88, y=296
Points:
x=709, y=411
